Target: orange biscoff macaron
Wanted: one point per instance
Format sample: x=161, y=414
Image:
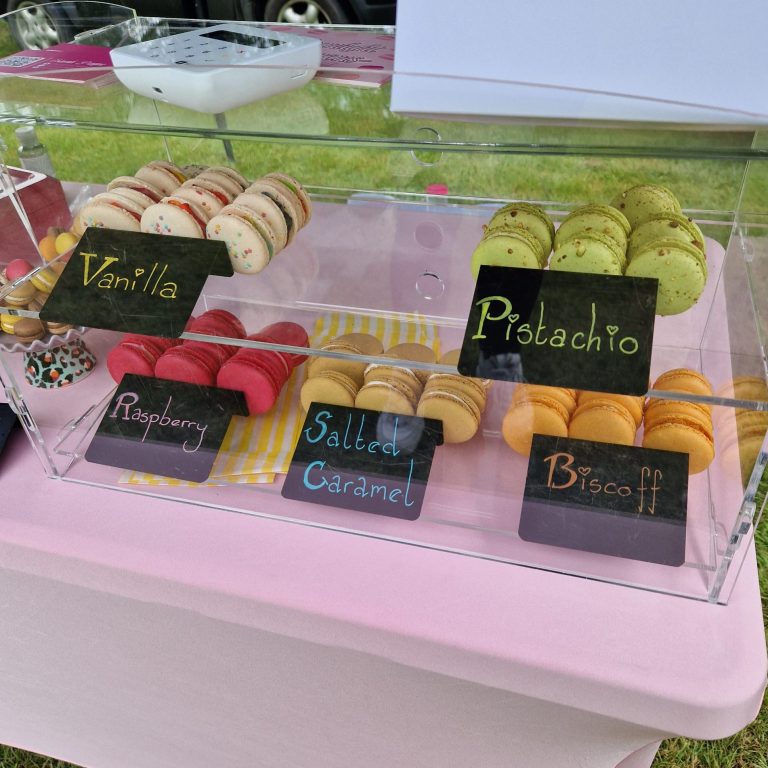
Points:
x=565, y=396
x=683, y=435
x=537, y=414
x=634, y=404
x=683, y=380
x=659, y=410
x=604, y=421
x=459, y=414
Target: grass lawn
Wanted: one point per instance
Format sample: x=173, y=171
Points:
x=320, y=111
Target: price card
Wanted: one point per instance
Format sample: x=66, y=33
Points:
x=562, y=329
x=364, y=460
x=134, y=282
x=604, y=498
x=167, y=428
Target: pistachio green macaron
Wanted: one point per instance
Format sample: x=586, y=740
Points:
x=680, y=268
x=525, y=216
x=643, y=201
x=511, y=248
x=587, y=219
x=662, y=226
x=594, y=252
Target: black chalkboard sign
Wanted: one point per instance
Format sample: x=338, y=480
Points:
x=134, y=282
x=610, y=499
x=363, y=460
x=168, y=428
x=563, y=329
x=8, y=421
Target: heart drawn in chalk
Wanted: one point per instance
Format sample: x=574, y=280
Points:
x=612, y=329
x=512, y=319
x=585, y=471
x=139, y=272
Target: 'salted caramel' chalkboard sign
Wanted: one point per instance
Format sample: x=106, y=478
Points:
x=364, y=460
x=563, y=329
x=167, y=428
x=134, y=282
x=604, y=498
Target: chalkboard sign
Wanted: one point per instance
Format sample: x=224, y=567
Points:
x=563, y=329
x=364, y=460
x=610, y=499
x=8, y=421
x=134, y=282
x=168, y=428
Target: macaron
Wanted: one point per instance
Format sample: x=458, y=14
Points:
x=537, y=414
x=224, y=196
x=633, y=404
x=194, y=365
x=249, y=250
x=223, y=180
x=642, y=201
x=110, y=210
x=390, y=396
x=142, y=186
x=683, y=435
x=288, y=193
x=231, y=173
x=8, y=322
x=28, y=329
x=257, y=222
x=165, y=176
x=659, y=410
x=16, y=269
x=21, y=295
x=459, y=414
x=285, y=200
x=604, y=219
x=415, y=353
x=683, y=380
x=218, y=322
x=667, y=225
x=291, y=334
x=680, y=269
x=259, y=382
x=298, y=190
x=347, y=365
x=566, y=397
x=367, y=343
x=514, y=248
x=46, y=278
x=201, y=197
x=130, y=357
x=57, y=329
x=384, y=372
x=462, y=385
x=603, y=420
x=268, y=210
x=329, y=387
x=142, y=200
x=175, y=216
x=192, y=170
x=595, y=253
x=525, y=216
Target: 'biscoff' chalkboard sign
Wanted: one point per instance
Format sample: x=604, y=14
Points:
x=604, y=498
x=563, y=329
x=167, y=428
x=363, y=460
x=134, y=282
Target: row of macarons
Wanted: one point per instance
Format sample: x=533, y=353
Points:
x=260, y=374
x=457, y=401
x=642, y=233
x=255, y=220
x=670, y=425
x=30, y=295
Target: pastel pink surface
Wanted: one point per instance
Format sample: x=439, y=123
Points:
x=258, y=384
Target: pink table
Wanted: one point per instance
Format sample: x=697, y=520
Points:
x=151, y=633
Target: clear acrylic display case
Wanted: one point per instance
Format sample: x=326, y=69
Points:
x=398, y=207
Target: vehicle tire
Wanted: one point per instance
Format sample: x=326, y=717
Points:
x=307, y=12
x=34, y=26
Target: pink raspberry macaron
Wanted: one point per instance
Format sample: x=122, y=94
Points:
x=258, y=382
x=192, y=365
x=291, y=334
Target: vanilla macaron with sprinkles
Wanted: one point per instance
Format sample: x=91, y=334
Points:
x=249, y=250
x=166, y=176
x=175, y=216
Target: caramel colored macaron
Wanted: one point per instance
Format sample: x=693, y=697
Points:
x=683, y=380
x=389, y=396
x=604, y=421
x=329, y=387
x=462, y=385
x=632, y=403
x=537, y=414
x=417, y=353
x=28, y=329
x=367, y=343
x=346, y=365
x=459, y=414
x=383, y=372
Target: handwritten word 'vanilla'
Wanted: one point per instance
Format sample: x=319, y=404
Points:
x=140, y=281
x=495, y=309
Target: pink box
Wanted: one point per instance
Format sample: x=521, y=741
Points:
x=42, y=198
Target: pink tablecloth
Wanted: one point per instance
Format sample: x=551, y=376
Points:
x=192, y=636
